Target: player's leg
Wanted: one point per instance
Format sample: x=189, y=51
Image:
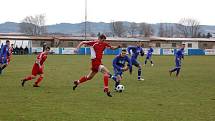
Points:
x=139, y=73
x=36, y=84
x=178, y=68
x=150, y=59
x=34, y=72
x=27, y=79
x=106, y=76
x=84, y=79
x=146, y=60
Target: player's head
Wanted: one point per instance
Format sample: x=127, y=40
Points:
x=8, y=43
x=47, y=49
x=102, y=37
x=139, y=44
x=123, y=52
x=182, y=45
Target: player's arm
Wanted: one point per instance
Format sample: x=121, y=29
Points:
x=115, y=47
x=130, y=50
x=115, y=64
x=38, y=62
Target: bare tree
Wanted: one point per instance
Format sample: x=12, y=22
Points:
x=33, y=25
x=117, y=28
x=132, y=28
x=161, y=30
x=188, y=27
x=145, y=29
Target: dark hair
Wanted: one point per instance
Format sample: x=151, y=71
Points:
x=102, y=36
x=7, y=41
x=47, y=48
x=123, y=50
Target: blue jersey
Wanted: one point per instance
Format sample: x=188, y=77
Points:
x=178, y=56
x=119, y=62
x=150, y=51
x=4, y=51
x=135, y=51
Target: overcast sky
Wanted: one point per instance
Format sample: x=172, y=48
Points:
x=72, y=11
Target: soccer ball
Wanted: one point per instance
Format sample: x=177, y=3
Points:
x=120, y=88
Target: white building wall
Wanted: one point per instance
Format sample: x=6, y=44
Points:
x=195, y=45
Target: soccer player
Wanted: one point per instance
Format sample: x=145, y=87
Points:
x=149, y=55
x=10, y=54
x=4, y=55
x=37, y=68
x=97, y=48
x=178, y=56
x=134, y=51
x=120, y=67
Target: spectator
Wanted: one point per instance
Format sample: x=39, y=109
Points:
x=21, y=50
x=26, y=50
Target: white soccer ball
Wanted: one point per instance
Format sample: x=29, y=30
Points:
x=120, y=88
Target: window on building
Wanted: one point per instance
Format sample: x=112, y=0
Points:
x=189, y=45
x=124, y=45
x=205, y=45
x=173, y=44
x=70, y=44
x=158, y=45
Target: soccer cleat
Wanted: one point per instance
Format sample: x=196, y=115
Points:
x=107, y=92
x=75, y=84
x=23, y=82
x=35, y=85
x=141, y=79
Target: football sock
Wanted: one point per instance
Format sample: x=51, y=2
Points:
x=151, y=62
x=28, y=78
x=3, y=67
x=106, y=82
x=173, y=70
x=145, y=61
x=178, y=71
x=83, y=79
x=139, y=73
x=117, y=83
x=39, y=80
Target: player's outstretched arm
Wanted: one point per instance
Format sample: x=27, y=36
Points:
x=115, y=47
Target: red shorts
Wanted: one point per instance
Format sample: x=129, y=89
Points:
x=36, y=70
x=95, y=65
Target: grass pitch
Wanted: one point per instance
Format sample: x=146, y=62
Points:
x=158, y=98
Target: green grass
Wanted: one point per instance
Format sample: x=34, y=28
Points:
x=158, y=98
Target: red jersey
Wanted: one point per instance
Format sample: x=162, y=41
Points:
x=42, y=57
x=97, y=48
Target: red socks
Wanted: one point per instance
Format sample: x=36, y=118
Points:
x=39, y=80
x=28, y=78
x=83, y=79
x=106, y=76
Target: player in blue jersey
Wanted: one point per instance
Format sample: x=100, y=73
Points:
x=178, y=56
x=149, y=56
x=4, y=54
x=134, y=51
x=119, y=66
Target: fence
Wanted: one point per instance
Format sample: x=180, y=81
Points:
x=157, y=51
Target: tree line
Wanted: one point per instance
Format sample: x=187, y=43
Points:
x=186, y=27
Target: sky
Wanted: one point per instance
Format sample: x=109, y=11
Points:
x=73, y=11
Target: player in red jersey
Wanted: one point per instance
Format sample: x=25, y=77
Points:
x=97, y=48
x=10, y=54
x=37, y=68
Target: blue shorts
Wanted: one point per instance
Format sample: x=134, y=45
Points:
x=135, y=63
x=148, y=56
x=117, y=72
x=178, y=64
x=3, y=61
